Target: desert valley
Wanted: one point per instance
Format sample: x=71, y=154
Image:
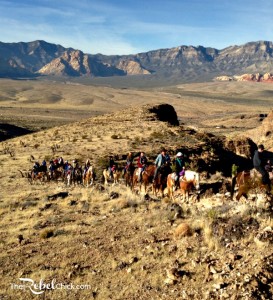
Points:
x=107, y=241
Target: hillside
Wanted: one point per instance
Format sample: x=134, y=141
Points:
x=126, y=245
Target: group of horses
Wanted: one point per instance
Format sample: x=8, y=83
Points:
x=165, y=179
x=244, y=181
x=75, y=175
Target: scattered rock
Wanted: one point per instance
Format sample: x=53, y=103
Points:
x=182, y=230
x=20, y=238
x=58, y=195
x=114, y=195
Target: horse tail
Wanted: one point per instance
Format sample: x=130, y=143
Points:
x=233, y=183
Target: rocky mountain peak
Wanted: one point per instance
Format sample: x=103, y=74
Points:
x=178, y=64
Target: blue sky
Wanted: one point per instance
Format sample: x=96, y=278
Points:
x=134, y=26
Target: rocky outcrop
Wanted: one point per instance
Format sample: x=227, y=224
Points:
x=131, y=67
x=76, y=63
x=267, y=77
x=241, y=146
x=162, y=112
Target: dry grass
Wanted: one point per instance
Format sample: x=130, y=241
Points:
x=123, y=246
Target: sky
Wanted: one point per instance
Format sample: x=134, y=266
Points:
x=133, y=26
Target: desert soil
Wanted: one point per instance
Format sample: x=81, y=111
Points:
x=126, y=245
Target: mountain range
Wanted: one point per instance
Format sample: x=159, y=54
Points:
x=183, y=63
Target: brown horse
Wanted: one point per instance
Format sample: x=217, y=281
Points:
x=56, y=175
x=147, y=177
x=188, y=182
x=160, y=182
x=186, y=187
x=171, y=184
x=128, y=175
x=40, y=176
x=246, y=181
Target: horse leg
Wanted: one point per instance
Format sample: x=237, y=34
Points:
x=162, y=192
x=187, y=196
x=184, y=195
x=241, y=192
x=169, y=192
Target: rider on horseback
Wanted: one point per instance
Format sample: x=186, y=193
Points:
x=36, y=167
x=179, y=167
x=112, y=166
x=141, y=164
x=259, y=163
x=129, y=161
x=51, y=168
x=86, y=166
x=160, y=161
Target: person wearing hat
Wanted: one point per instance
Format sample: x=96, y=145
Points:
x=160, y=161
x=259, y=163
x=179, y=166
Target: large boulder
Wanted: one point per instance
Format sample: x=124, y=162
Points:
x=242, y=146
x=161, y=112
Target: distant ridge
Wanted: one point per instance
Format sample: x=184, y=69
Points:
x=183, y=63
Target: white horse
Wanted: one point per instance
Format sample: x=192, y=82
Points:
x=116, y=176
x=192, y=176
x=89, y=176
x=189, y=177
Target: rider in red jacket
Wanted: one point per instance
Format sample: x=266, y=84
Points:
x=141, y=164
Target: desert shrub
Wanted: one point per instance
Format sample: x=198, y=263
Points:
x=133, y=145
x=124, y=203
x=182, y=230
x=36, y=146
x=157, y=135
x=60, y=232
x=234, y=170
x=102, y=162
x=212, y=214
x=46, y=233
x=47, y=157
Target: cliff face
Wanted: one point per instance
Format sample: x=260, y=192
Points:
x=76, y=63
x=179, y=63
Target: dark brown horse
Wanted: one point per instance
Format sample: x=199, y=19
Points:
x=160, y=182
x=246, y=181
x=128, y=175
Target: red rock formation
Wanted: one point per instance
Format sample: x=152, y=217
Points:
x=267, y=77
